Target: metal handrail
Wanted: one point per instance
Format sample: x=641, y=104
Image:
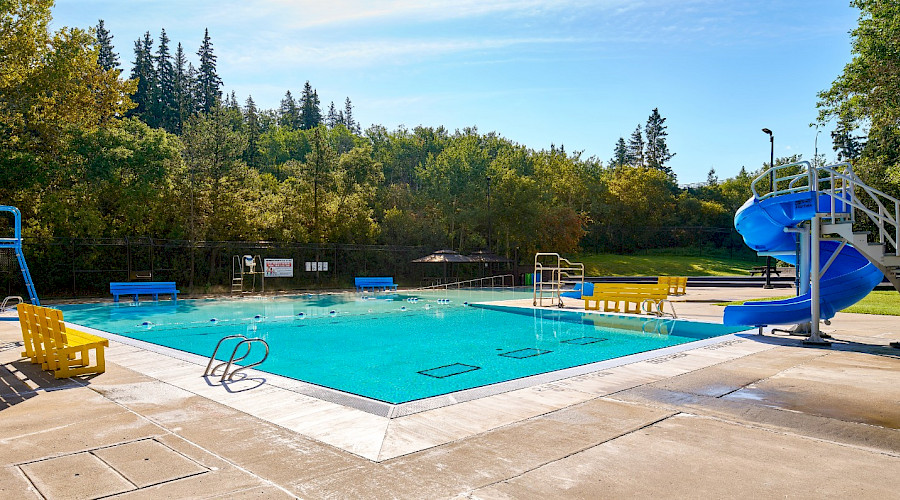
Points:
x=458, y=284
x=840, y=183
x=5, y=305
x=553, y=277
x=248, y=342
x=210, y=369
x=658, y=306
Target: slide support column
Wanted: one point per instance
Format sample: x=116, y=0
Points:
x=815, y=275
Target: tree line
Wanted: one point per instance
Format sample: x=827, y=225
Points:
x=163, y=154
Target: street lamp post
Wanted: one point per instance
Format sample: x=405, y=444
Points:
x=772, y=184
x=816, y=148
x=490, y=215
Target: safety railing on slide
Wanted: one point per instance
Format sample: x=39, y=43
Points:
x=843, y=186
x=498, y=281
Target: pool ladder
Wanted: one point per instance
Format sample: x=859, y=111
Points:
x=248, y=342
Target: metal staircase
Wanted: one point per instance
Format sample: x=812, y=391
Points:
x=849, y=196
x=887, y=262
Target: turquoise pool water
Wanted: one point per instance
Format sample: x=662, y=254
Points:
x=395, y=348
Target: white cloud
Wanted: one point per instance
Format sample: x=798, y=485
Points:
x=318, y=13
x=366, y=53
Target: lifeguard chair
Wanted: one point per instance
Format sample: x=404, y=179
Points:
x=243, y=268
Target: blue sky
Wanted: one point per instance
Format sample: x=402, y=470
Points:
x=539, y=72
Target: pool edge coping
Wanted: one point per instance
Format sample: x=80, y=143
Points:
x=396, y=410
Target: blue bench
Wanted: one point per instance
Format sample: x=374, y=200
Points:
x=136, y=288
x=363, y=284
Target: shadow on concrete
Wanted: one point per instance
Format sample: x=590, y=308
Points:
x=837, y=344
x=242, y=383
x=21, y=380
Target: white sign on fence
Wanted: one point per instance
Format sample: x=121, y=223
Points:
x=279, y=268
x=316, y=266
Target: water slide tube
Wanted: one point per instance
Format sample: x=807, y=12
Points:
x=848, y=279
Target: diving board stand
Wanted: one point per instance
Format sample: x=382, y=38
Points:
x=15, y=243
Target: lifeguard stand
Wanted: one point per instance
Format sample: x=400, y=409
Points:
x=243, y=268
x=15, y=244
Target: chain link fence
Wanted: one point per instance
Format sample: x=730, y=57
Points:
x=84, y=267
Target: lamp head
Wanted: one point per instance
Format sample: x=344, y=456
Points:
x=767, y=131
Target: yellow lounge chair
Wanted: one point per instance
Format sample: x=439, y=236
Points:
x=66, y=352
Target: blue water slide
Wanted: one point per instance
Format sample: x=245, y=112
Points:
x=848, y=279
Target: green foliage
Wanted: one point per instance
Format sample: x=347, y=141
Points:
x=867, y=95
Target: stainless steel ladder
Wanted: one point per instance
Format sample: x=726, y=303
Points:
x=248, y=342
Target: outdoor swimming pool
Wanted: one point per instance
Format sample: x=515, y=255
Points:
x=395, y=348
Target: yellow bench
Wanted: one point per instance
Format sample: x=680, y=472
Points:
x=677, y=284
x=625, y=297
x=65, y=352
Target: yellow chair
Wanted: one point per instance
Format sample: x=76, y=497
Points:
x=66, y=352
x=32, y=335
x=677, y=284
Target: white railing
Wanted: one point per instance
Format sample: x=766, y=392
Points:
x=843, y=187
x=477, y=282
x=551, y=274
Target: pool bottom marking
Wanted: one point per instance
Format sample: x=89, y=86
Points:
x=584, y=340
x=529, y=352
x=449, y=370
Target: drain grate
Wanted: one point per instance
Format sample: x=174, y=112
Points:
x=524, y=353
x=584, y=340
x=448, y=370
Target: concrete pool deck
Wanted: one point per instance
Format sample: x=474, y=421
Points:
x=744, y=417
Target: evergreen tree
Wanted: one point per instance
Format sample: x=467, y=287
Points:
x=657, y=151
x=251, y=120
x=620, y=154
x=848, y=146
x=289, y=113
x=332, y=118
x=166, y=102
x=310, y=114
x=351, y=124
x=231, y=101
x=711, y=178
x=209, y=91
x=635, y=156
x=106, y=58
x=183, y=89
x=144, y=72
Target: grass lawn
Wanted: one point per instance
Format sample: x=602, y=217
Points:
x=666, y=265
x=885, y=302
